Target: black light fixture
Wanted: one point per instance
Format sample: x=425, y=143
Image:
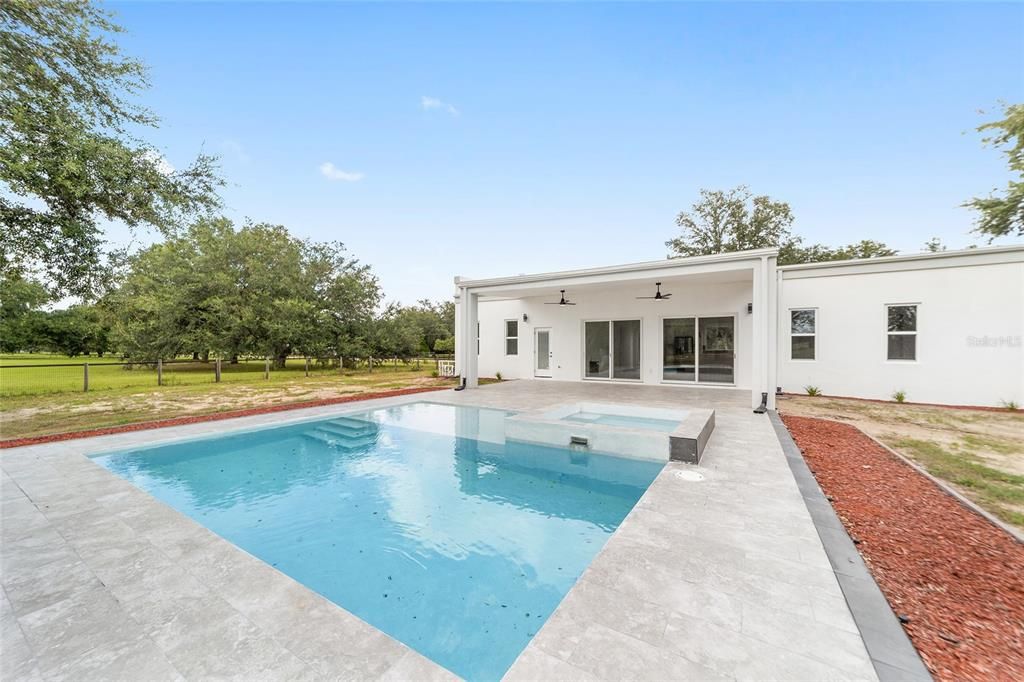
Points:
x=525, y=318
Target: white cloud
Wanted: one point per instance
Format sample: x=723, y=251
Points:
x=157, y=159
x=235, y=149
x=428, y=103
x=332, y=172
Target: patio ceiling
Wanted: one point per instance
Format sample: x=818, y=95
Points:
x=702, y=270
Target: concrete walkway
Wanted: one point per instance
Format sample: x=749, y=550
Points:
x=719, y=578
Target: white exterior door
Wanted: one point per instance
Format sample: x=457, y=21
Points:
x=542, y=352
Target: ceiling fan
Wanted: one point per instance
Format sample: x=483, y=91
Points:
x=658, y=296
x=563, y=301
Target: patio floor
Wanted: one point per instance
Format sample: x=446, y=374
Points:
x=720, y=578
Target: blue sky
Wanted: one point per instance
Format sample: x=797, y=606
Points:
x=502, y=138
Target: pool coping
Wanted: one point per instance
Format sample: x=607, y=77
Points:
x=892, y=653
x=293, y=632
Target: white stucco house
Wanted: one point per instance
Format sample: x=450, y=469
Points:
x=942, y=327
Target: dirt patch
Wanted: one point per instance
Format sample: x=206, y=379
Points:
x=178, y=421
x=997, y=436
x=958, y=579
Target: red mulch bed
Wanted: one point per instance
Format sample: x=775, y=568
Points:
x=178, y=421
x=958, y=578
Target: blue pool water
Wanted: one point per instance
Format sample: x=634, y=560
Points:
x=419, y=519
x=602, y=419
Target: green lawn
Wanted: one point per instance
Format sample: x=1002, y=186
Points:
x=45, y=413
x=25, y=374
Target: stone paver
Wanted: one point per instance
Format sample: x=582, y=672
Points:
x=723, y=578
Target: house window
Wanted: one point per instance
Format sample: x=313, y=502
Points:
x=511, y=337
x=803, y=326
x=902, y=332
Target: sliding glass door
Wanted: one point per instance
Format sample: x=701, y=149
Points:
x=717, y=354
x=611, y=349
x=699, y=349
x=679, y=338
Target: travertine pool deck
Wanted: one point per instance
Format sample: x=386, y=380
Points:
x=722, y=578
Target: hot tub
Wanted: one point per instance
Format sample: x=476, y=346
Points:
x=639, y=431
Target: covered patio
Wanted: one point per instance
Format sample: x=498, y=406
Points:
x=695, y=322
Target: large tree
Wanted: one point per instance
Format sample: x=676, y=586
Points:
x=255, y=290
x=1001, y=215
x=731, y=220
x=736, y=220
x=69, y=155
x=21, y=302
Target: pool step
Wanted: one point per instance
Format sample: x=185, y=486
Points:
x=349, y=427
x=344, y=441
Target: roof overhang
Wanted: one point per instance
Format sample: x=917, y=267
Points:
x=916, y=261
x=524, y=285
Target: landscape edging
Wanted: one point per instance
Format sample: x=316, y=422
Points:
x=892, y=654
x=955, y=494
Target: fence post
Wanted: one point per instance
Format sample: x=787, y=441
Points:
x=216, y=371
x=159, y=372
x=85, y=377
x=417, y=363
x=371, y=364
x=307, y=365
x=266, y=369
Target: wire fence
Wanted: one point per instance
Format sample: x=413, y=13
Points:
x=34, y=378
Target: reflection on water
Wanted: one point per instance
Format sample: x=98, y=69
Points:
x=459, y=547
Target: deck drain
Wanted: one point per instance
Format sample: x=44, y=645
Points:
x=689, y=475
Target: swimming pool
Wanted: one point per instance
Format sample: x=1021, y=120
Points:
x=420, y=519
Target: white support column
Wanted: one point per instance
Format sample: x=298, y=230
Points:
x=469, y=359
x=758, y=336
x=772, y=328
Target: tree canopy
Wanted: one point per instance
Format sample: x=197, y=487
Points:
x=69, y=157
x=1001, y=215
x=731, y=220
x=724, y=221
x=255, y=290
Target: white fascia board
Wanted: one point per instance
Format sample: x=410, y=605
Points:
x=739, y=260
x=918, y=261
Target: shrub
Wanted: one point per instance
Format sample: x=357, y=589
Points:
x=497, y=375
x=1010, y=404
x=434, y=373
x=899, y=396
x=812, y=390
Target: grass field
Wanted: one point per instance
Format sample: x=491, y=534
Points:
x=979, y=452
x=38, y=399
x=35, y=415
x=26, y=374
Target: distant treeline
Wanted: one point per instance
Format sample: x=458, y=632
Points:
x=215, y=290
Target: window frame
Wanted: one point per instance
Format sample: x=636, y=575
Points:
x=611, y=349
x=697, y=381
x=813, y=335
x=511, y=338
x=914, y=333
